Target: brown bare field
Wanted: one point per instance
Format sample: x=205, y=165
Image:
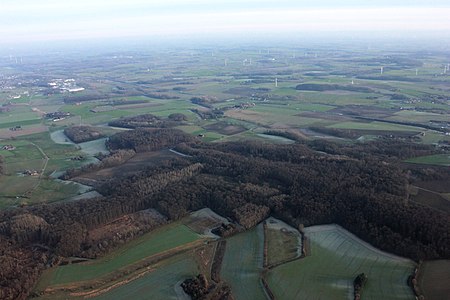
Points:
x=139, y=162
x=130, y=225
x=434, y=279
x=249, y=116
x=431, y=199
x=439, y=186
x=26, y=130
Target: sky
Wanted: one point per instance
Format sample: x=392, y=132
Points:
x=47, y=20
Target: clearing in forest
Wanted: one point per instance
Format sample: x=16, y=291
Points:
x=284, y=242
x=204, y=220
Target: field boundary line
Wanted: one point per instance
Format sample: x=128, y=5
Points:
x=267, y=291
x=99, y=291
x=216, y=266
x=427, y=190
x=266, y=245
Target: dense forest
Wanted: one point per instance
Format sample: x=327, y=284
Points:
x=330, y=87
x=361, y=187
x=149, y=120
x=146, y=139
x=80, y=134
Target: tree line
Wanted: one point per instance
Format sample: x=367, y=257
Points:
x=146, y=139
x=1, y=165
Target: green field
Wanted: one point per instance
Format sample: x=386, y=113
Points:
x=375, y=126
x=32, y=190
x=417, y=116
x=155, y=242
x=243, y=262
x=19, y=116
x=59, y=155
x=162, y=283
x=437, y=159
x=337, y=257
x=30, y=154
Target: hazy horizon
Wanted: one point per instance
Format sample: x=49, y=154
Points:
x=27, y=21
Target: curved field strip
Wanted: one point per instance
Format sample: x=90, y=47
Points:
x=162, y=283
x=157, y=241
x=242, y=264
x=337, y=257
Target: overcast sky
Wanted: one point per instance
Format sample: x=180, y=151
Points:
x=30, y=20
